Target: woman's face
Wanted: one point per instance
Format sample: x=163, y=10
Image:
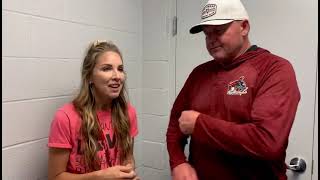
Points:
x=108, y=77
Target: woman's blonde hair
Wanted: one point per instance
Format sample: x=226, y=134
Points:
x=85, y=104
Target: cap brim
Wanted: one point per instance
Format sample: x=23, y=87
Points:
x=198, y=28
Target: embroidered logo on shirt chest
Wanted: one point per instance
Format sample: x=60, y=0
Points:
x=237, y=87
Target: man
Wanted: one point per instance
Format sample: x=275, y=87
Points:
x=238, y=108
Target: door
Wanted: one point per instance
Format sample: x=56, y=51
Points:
x=287, y=28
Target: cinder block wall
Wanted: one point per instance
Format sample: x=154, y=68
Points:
x=158, y=86
x=43, y=46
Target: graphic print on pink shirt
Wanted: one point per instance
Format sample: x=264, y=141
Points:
x=65, y=133
x=105, y=122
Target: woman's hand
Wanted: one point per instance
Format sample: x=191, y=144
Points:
x=117, y=172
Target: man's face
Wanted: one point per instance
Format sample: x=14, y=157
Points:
x=224, y=42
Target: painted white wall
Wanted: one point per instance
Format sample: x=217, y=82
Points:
x=158, y=87
x=43, y=46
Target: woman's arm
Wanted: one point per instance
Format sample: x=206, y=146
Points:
x=130, y=160
x=57, y=167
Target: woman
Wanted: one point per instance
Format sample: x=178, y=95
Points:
x=92, y=136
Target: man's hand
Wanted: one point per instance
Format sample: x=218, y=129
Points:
x=187, y=121
x=184, y=171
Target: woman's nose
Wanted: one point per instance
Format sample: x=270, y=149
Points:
x=116, y=74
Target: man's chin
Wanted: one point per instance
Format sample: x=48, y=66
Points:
x=219, y=58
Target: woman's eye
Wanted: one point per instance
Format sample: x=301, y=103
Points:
x=106, y=68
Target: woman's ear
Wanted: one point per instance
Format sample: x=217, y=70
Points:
x=90, y=80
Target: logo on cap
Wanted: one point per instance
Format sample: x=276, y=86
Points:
x=209, y=10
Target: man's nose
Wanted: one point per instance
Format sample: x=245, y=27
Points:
x=212, y=37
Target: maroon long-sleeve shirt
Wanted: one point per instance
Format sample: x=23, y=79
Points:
x=247, y=110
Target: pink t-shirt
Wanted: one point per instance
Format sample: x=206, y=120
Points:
x=65, y=133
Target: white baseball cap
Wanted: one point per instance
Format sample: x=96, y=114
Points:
x=218, y=12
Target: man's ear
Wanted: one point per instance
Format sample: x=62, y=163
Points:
x=245, y=27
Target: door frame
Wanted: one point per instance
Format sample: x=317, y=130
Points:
x=314, y=172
